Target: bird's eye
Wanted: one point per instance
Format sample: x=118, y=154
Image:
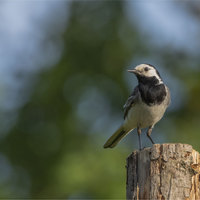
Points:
x=146, y=69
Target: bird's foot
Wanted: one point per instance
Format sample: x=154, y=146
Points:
x=140, y=149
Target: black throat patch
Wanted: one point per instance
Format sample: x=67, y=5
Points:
x=151, y=92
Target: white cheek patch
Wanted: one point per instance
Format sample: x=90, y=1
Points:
x=152, y=72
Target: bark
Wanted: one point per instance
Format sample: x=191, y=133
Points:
x=165, y=171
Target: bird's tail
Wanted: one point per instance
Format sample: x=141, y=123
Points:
x=116, y=137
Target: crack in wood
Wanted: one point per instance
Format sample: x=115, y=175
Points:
x=167, y=171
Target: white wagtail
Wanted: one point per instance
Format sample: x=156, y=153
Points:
x=145, y=106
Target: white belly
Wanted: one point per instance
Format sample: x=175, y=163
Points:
x=144, y=116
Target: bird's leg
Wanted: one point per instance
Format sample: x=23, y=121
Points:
x=149, y=134
x=139, y=133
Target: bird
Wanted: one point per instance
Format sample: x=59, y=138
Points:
x=145, y=106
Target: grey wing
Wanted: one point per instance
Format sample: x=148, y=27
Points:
x=132, y=99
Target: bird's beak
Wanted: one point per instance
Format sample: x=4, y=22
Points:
x=133, y=71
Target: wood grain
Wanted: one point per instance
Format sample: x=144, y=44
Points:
x=165, y=171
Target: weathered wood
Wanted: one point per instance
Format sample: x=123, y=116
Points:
x=165, y=171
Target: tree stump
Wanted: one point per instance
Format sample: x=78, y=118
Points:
x=165, y=171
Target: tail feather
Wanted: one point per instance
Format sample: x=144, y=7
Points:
x=116, y=137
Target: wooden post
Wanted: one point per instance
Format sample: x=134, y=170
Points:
x=165, y=171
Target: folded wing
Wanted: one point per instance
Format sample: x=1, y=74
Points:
x=132, y=99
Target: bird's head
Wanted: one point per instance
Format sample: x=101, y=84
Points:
x=147, y=73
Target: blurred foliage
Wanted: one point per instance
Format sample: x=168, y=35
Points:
x=49, y=141
x=55, y=147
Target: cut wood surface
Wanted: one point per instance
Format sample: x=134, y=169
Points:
x=164, y=171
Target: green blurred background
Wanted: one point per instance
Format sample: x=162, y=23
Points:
x=64, y=82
